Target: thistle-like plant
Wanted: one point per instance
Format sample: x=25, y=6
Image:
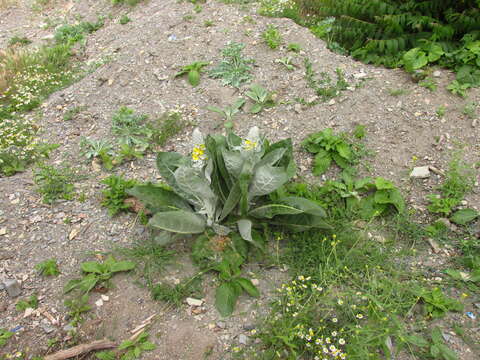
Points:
x=193, y=72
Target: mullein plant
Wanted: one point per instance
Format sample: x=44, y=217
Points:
x=226, y=191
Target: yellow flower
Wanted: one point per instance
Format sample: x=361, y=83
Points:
x=198, y=153
x=249, y=145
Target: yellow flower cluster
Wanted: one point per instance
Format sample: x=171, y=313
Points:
x=249, y=145
x=198, y=153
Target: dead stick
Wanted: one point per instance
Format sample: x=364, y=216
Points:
x=81, y=349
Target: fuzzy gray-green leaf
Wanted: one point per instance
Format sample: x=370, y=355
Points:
x=178, y=221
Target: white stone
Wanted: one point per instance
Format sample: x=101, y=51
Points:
x=194, y=302
x=420, y=172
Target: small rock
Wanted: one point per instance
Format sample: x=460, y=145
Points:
x=105, y=297
x=221, y=324
x=48, y=37
x=248, y=327
x=99, y=302
x=68, y=327
x=45, y=325
x=297, y=108
x=437, y=74
x=331, y=102
x=435, y=247
x=420, y=172
x=194, y=302
x=255, y=282
x=359, y=75
x=474, y=122
x=242, y=339
x=3, y=231
x=13, y=287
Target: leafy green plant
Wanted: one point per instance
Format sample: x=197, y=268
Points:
x=262, y=98
x=134, y=348
x=96, y=273
x=71, y=113
x=48, y=268
x=208, y=23
x=287, y=62
x=176, y=294
x=222, y=188
x=272, y=37
x=55, y=183
x=193, y=72
x=294, y=47
x=328, y=148
x=17, y=40
x=131, y=129
x=77, y=307
x=31, y=302
x=124, y=20
x=116, y=193
x=234, y=69
x=464, y=216
x=166, y=126
x=470, y=110
x=436, y=303
x=458, y=88
x=458, y=182
x=70, y=34
x=324, y=87
x=98, y=149
x=229, y=112
x=4, y=336
x=398, y=92
x=438, y=349
x=441, y=111
x=428, y=83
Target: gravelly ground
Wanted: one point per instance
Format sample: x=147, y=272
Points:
x=140, y=62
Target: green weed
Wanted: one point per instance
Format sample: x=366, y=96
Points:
x=294, y=47
x=166, y=127
x=116, y=193
x=55, y=183
x=428, y=83
x=229, y=112
x=95, y=273
x=262, y=98
x=71, y=113
x=470, y=110
x=76, y=308
x=398, y=92
x=176, y=294
x=124, y=19
x=324, y=87
x=234, y=69
x=4, y=336
x=436, y=303
x=31, y=302
x=272, y=37
x=70, y=34
x=48, y=268
x=193, y=72
x=208, y=23
x=287, y=62
x=134, y=348
x=441, y=111
x=17, y=40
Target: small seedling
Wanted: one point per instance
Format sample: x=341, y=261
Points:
x=438, y=349
x=48, y=268
x=4, y=336
x=208, y=23
x=54, y=183
x=77, y=306
x=197, y=8
x=176, y=294
x=130, y=128
x=261, y=97
x=470, y=110
x=428, y=83
x=459, y=89
x=193, y=72
x=287, y=62
x=115, y=194
x=71, y=113
x=229, y=112
x=31, y=302
x=134, y=348
x=294, y=47
x=166, y=126
x=96, y=273
x=124, y=20
x=323, y=86
x=441, y=111
x=359, y=131
x=398, y=92
x=91, y=148
x=272, y=37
